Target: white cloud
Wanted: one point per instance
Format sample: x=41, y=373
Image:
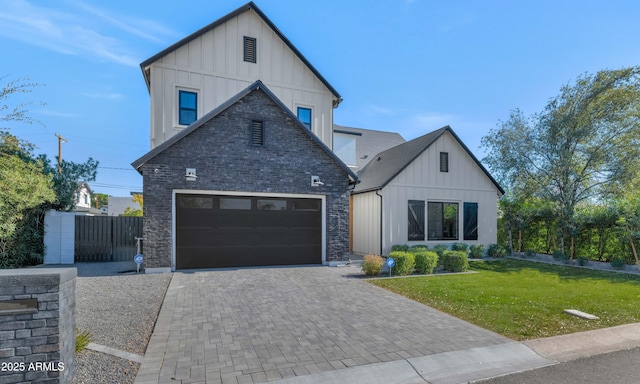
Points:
x=79, y=32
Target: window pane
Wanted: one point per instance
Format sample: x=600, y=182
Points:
x=471, y=221
x=188, y=99
x=443, y=221
x=187, y=117
x=304, y=114
x=450, y=221
x=187, y=107
x=200, y=202
x=416, y=220
x=235, y=203
x=345, y=147
x=306, y=205
x=272, y=205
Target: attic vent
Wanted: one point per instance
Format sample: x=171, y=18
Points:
x=257, y=132
x=250, y=49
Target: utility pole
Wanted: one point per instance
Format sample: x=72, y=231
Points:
x=60, y=141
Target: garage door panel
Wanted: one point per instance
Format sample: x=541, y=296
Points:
x=223, y=231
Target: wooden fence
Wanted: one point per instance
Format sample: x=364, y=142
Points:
x=106, y=238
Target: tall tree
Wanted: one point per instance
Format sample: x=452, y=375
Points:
x=17, y=112
x=585, y=145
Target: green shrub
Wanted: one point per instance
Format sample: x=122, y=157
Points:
x=559, y=255
x=405, y=263
x=372, y=265
x=82, y=340
x=439, y=249
x=477, y=251
x=618, y=264
x=497, y=250
x=460, y=247
x=426, y=261
x=529, y=253
x=400, y=247
x=582, y=261
x=418, y=248
x=455, y=261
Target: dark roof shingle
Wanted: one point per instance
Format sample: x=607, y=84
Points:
x=388, y=164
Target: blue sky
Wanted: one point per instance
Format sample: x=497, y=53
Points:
x=409, y=66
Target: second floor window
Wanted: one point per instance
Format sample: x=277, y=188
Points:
x=304, y=114
x=187, y=107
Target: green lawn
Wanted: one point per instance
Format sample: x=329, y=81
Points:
x=524, y=300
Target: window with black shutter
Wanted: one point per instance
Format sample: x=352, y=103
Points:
x=416, y=220
x=250, y=49
x=471, y=221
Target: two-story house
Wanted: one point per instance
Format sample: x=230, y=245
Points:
x=247, y=168
x=241, y=170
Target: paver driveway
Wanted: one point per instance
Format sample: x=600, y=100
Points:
x=263, y=324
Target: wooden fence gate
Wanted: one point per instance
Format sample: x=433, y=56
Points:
x=106, y=238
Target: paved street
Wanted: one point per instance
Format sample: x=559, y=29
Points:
x=263, y=324
x=612, y=368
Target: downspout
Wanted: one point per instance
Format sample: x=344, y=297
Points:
x=380, y=220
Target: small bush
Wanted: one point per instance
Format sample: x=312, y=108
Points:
x=497, y=250
x=529, y=253
x=418, y=248
x=372, y=265
x=559, y=255
x=400, y=248
x=460, y=247
x=439, y=249
x=582, y=261
x=455, y=261
x=426, y=262
x=405, y=263
x=618, y=264
x=82, y=340
x=477, y=251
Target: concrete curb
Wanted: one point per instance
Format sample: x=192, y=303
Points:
x=584, y=344
x=115, y=352
x=442, y=368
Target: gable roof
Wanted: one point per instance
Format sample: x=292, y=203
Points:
x=249, y=6
x=388, y=164
x=369, y=142
x=215, y=112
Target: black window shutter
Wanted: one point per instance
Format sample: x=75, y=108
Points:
x=416, y=220
x=471, y=221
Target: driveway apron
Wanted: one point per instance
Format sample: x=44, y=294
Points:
x=262, y=324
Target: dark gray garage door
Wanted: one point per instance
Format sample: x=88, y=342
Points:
x=238, y=231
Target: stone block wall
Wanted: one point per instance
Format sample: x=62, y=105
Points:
x=37, y=325
x=225, y=159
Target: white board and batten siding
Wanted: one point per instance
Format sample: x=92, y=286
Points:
x=366, y=223
x=422, y=180
x=212, y=65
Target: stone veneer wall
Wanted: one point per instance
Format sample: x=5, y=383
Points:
x=37, y=344
x=225, y=160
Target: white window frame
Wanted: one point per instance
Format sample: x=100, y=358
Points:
x=313, y=113
x=176, y=104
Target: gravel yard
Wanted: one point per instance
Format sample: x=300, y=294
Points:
x=120, y=311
